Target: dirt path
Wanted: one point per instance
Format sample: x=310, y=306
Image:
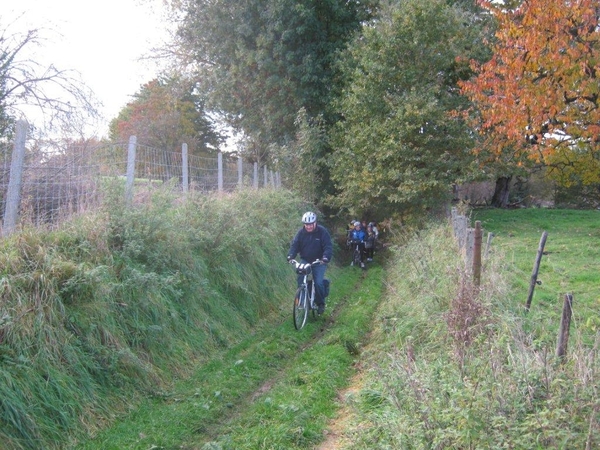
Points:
x=336, y=434
x=328, y=321
x=230, y=400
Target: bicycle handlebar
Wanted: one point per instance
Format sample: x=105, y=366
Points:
x=312, y=264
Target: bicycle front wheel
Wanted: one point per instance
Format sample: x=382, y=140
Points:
x=300, y=308
x=356, y=257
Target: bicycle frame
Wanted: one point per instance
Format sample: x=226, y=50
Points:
x=304, y=300
x=356, y=253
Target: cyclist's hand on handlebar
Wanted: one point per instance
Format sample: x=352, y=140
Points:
x=289, y=258
x=325, y=260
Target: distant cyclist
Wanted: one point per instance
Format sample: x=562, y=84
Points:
x=313, y=242
x=357, y=236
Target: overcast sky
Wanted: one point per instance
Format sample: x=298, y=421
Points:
x=103, y=40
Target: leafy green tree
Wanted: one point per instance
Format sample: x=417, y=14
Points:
x=397, y=144
x=299, y=160
x=164, y=114
x=264, y=61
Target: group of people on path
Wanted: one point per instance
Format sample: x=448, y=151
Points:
x=365, y=236
x=313, y=242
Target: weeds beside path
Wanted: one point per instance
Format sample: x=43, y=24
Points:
x=276, y=389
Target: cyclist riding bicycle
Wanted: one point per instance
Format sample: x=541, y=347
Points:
x=313, y=242
x=357, y=236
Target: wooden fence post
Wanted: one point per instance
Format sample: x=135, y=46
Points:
x=565, y=324
x=536, y=268
x=477, y=253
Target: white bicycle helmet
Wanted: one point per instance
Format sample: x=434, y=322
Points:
x=309, y=217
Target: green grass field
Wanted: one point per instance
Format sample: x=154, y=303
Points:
x=570, y=263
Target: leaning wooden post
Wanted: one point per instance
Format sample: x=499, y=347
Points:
x=477, y=253
x=565, y=324
x=536, y=268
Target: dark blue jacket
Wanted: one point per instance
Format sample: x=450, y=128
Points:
x=312, y=246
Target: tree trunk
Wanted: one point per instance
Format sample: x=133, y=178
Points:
x=500, y=198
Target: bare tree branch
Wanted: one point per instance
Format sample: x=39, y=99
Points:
x=58, y=97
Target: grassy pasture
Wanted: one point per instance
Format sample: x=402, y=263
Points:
x=570, y=263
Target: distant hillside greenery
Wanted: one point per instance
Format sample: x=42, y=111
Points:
x=120, y=302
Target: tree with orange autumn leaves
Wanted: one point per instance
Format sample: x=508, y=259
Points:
x=537, y=98
x=165, y=113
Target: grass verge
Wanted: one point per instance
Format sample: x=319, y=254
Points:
x=118, y=305
x=452, y=366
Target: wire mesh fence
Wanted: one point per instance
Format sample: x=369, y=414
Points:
x=54, y=184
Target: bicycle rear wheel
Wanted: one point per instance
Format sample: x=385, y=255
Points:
x=301, y=307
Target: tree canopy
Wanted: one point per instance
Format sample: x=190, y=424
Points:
x=264, y=61
x=397, y=145
x=537, y=98
x=166, y=113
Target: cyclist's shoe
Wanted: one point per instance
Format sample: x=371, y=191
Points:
x=369, y=259
x=320, y=309
x=362, y=265
x=352, y=263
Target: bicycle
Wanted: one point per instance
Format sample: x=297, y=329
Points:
x=304, y=301
x=356, y=253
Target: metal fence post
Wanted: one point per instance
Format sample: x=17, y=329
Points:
x=13, y=194
x=265, y=176
x=255, y=180
x=131, y=148
x=220, y=170
x=240, y=172
x=184, y=168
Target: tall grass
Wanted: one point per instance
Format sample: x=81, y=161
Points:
x=452, y=366
x=122, y=302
